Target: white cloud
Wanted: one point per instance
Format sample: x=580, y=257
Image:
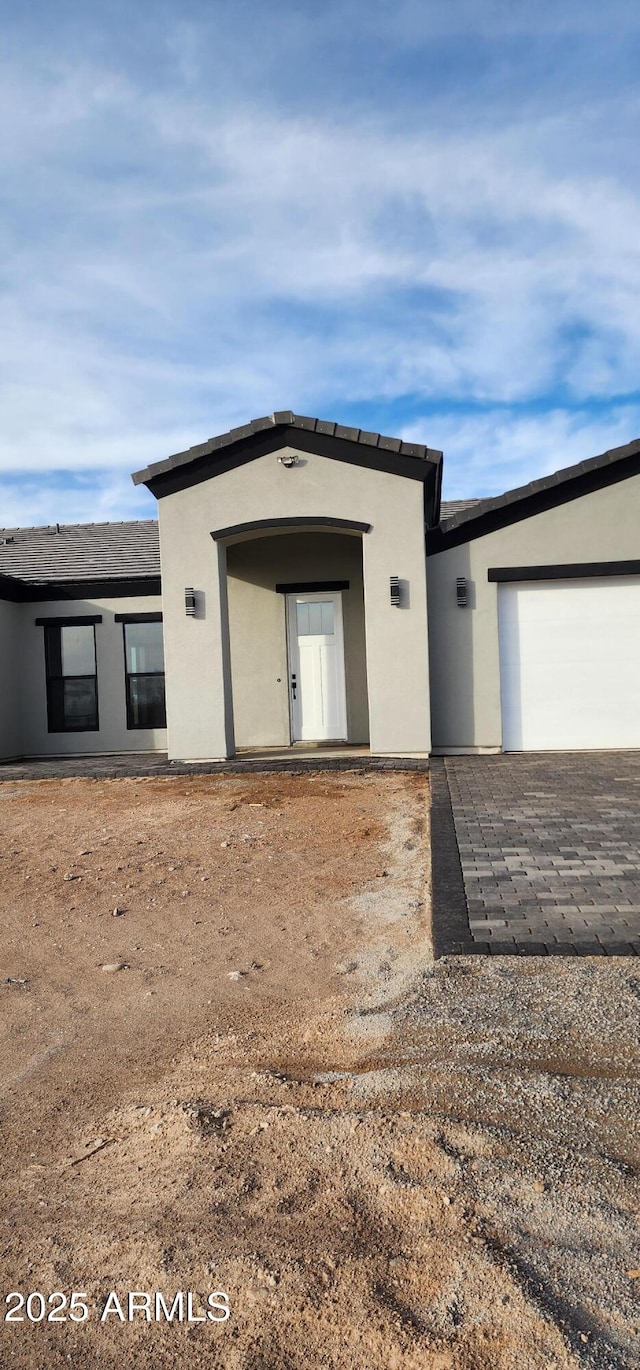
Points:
x=486, y=454
x=95, y=497
x=178, y=260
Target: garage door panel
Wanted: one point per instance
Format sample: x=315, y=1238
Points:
x=570, y=664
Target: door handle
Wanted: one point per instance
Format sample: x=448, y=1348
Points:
x=293, y=686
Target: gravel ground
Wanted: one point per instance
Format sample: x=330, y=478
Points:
x=384, y=1162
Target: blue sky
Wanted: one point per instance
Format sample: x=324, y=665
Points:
x=420, y=216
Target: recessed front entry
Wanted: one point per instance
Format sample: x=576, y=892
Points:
x=316, y=667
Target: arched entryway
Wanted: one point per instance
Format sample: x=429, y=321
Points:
x=297, y=639
x=337, y=509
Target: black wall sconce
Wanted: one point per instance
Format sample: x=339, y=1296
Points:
x=461, y=592
x=394, y=591
x=190, y=601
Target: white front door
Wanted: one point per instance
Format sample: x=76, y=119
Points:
x=316, y=667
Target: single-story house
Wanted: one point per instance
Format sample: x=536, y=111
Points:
x=305, y=584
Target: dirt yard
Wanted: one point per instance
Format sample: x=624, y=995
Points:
x=385, y=1164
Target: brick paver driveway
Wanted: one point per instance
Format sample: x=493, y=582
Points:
x=549, y=846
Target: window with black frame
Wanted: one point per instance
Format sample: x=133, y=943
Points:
x=144, y=665
x=72, y=686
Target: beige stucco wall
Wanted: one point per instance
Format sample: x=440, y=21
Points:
x=463, y=643
x=259, y=668
x=10, y=680
x=197, y=664
x=113, y=734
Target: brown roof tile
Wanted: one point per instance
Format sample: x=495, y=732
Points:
x=473, y=509
x=80, y=551
x=286, y=418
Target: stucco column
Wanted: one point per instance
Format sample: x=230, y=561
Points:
x=397, y=639
x=197, y=662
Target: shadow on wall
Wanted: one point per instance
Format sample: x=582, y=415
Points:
x=510, y=652
x=454, y=721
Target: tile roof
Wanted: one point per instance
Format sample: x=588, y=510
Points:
x=478, y=508
x=450, y=507
x=80, y=551
x=285, y=418
x=127, y=551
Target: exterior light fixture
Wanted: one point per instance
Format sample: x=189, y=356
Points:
x=394, y=591
x=289, y=459
x=190, y=601
x=461, y=592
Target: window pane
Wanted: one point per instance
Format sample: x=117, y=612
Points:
x=315, y=617
x=52, y=655
x=327, y=617
x=55, y=704
x=80, y=702
x=144, y=647
x=78, y=650
x=302, y=612
x=146, y=701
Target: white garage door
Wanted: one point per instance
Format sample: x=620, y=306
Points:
x=570, y=664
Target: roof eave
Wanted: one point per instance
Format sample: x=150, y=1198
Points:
x=278, y=426
x=572, y=482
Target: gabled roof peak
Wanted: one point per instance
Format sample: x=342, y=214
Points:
x=285, y=418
